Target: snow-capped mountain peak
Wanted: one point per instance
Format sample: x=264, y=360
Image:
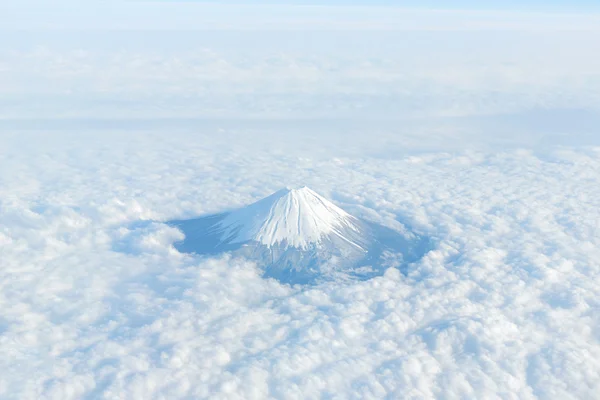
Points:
x=297, y=218
x=297, y=236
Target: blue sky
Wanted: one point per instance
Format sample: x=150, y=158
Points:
x=271, y=14
x=455, y=4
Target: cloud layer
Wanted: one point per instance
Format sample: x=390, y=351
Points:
x=482, y=63
x=95, y=307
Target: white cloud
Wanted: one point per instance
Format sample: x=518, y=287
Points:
x=503, y=307
x=204, y=84
x=307, y=72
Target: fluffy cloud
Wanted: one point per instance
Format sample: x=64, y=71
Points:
x=96, y=303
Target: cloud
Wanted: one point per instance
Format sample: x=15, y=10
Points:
x=503, y=306
x=309, y=74
x=291, y=61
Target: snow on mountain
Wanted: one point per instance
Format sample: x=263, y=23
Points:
x=290, y=217
x=297, y=236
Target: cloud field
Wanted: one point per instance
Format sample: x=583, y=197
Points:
x=95, y=306
x=478, y=130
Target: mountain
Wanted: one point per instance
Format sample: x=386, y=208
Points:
x=297, y=218
x=298, y=236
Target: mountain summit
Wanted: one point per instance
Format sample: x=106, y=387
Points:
x=297, y=236
x=297, y=218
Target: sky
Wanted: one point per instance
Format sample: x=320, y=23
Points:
x=459, y=4
x=474, y=128
x=326, y=15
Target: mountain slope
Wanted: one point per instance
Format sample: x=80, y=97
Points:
x=290, y=217
x=297, y=236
